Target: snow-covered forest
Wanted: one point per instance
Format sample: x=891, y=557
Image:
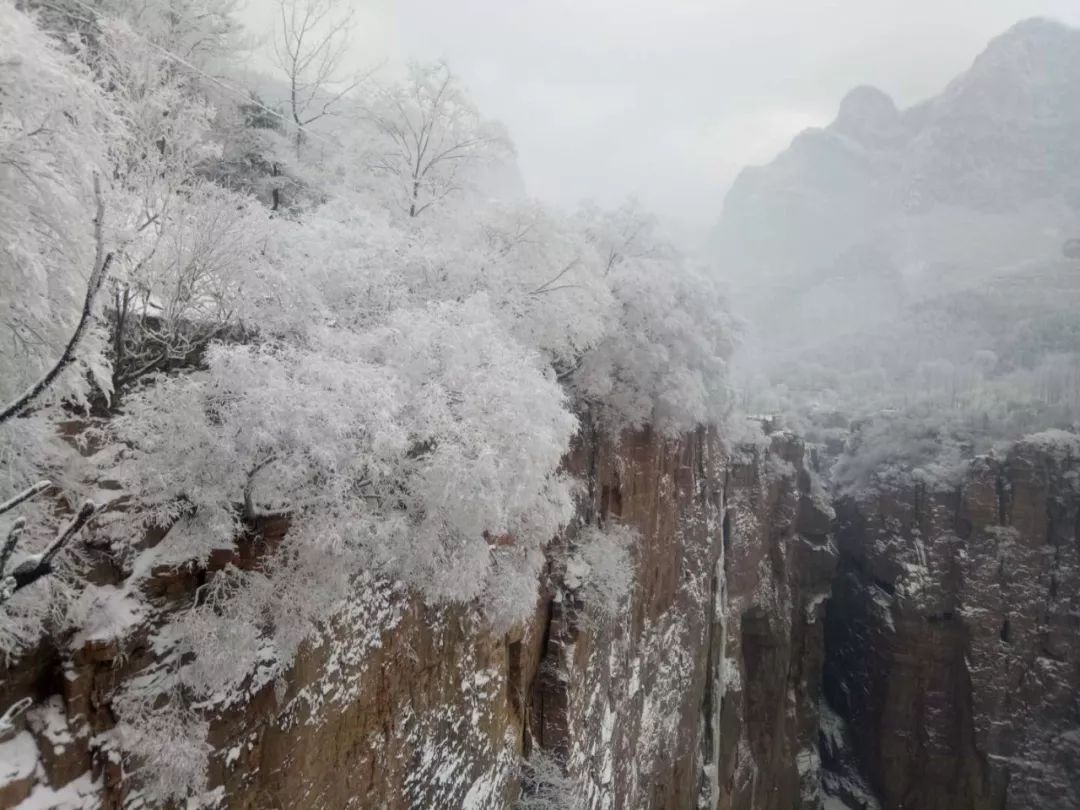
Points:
x=221, y=310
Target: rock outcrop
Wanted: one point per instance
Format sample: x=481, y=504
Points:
x=953, y=634
x=701, y=694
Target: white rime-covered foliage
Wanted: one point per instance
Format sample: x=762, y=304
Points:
x=546, y=786
x=905, y=448
x=54, y=134
x=405, y=444
x=663, y=360
x=375, y=354
x=601, y=567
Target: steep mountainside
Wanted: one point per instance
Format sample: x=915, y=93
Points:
x=953, y=635
x=863, y=224
x=703, y=693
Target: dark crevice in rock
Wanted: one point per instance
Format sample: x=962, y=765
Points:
x=548, y=715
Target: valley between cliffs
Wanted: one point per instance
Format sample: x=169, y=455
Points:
x=904, y=647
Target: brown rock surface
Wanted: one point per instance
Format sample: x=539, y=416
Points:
x=779, y=562
x=954, y=634
x=701, y=694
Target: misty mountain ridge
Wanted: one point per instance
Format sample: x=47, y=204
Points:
x=884, y=238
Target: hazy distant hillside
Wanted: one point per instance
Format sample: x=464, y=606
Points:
x=1001, y=136
x=850, y=246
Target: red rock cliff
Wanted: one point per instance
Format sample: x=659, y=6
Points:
x=702, y=694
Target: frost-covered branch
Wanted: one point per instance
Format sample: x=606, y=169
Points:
x=13, y=712
x=23, y=496
x=10, y=542
x=552, y=283
x=40, y=565
x=97, y=275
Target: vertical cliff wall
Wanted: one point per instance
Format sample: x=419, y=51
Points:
x=920, y=648
x=706, y=695
x=954, y=634
x=778, y=565
x=701, y=694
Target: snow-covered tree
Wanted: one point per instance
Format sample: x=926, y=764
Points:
x=601, y=568
x=430, y=136
x=311, y=43
x=407, y=445
x=664, y=360
x=55, y=127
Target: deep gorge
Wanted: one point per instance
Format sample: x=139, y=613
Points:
x=909, y=649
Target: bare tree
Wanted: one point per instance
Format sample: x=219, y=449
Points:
x=431, y=131
x=182, y=292
x=311, y=44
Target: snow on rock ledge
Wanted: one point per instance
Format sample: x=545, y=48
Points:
x=690, y=696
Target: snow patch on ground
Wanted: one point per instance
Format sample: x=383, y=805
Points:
x=110, y=613
x=18, y=758
x=79, y=794
x=49, y=720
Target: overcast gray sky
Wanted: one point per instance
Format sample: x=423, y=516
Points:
x=667, y=99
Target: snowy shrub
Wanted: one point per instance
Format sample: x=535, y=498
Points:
x=510, y=594
x=663, y=361
x=545, y=785
x=26, y=613
x=172, y=752
x=601, y=567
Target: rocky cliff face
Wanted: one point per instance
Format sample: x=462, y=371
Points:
x=702, y=694
x=926, y=656
x=953, y=635
x=778, y=566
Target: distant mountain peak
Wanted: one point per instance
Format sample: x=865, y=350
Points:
x=984, y=173
x=1038, y=40
x=867, y=112
x=1034, y=30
